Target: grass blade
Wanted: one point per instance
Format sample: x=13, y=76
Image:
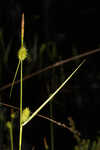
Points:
x=49, y=99
x=14, y=78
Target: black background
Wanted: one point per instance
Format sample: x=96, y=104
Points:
x=70, y=24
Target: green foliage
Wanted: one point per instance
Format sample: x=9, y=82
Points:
x=88, y=144
x=83, y=143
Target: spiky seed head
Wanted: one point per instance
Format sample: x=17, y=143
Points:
x=22, y=54
x=9, y=125
x=12, y=115
x=25, y=114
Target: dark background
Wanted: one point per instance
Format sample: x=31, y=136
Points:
x=74, y=28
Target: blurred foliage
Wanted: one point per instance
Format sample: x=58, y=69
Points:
x=83, y=143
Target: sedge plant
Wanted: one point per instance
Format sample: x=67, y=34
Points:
x=25, y=116
x=10, y=127
x=22, y=55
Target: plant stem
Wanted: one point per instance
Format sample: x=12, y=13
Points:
x=14, y=78
x=11, y=136
x=51, y=127
x=21, y=85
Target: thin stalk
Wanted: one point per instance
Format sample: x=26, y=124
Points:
x=51, y=127
x=14, y=78
x=21, y=85
x=11, y=136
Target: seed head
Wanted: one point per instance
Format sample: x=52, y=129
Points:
x=9, y=125
x=22, y=54
x=25, y=114
x=12, y=115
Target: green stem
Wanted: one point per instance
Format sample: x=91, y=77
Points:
x=11, y=136
x=21, y=85
x=14, y=78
